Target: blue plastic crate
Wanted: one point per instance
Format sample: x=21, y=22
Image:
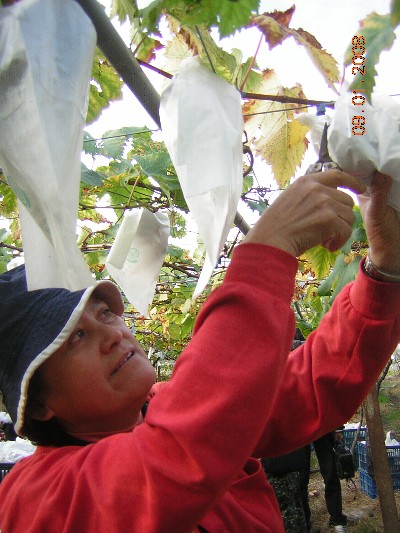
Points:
x=368, y=484
x=364, y=457
x=365, y=463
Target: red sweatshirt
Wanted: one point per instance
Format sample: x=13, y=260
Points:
x=236, y=392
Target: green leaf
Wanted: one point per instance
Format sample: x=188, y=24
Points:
x=91, y=177
x=8, y=205
x=124, y=9
x=155, y=164
x=247, y=183
x=3, y=264
x=253, y=79
x=113, y=142
x=260, y=206
x=175, y=253
x=226, y=16
x=342, y=273
x=175, y=331
x=320, y=260
x=395, y=12
x=91, y=145
x=358, y=233
x=376, y=31
x=233, y=15
x=187, y=325
x=105, y=87
x=151, y=14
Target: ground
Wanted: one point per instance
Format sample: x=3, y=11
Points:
x=363, y=512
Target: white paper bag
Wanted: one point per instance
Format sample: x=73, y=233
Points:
x=377, y=149
x=137, y=255
x=46, y=55
x=202, y=125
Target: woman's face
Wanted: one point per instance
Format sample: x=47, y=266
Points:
x=98, y=380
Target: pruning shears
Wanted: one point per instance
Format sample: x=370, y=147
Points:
x=324, y=161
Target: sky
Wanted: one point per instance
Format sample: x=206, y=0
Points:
x=332, y=23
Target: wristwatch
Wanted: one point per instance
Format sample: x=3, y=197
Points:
x=379, y=275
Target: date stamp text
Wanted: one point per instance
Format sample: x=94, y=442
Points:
x=358, y=99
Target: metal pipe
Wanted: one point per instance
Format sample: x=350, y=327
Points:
x=115, y=50
x=241, y=223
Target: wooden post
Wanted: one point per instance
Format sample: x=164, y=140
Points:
x=383, y=478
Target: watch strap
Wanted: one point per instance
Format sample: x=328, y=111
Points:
x=379, y=275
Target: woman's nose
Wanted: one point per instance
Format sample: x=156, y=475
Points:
x=110, y=337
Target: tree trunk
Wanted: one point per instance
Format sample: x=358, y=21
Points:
x=380, y=463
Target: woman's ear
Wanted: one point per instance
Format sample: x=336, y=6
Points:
x=43, y=413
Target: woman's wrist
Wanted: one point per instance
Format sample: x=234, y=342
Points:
x=379, y=274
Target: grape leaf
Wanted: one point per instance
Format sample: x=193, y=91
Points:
x=285, y=151
x=324, y=62
x=226, y=16
x=263, y=115
x=320, y=260
x=91, y=177
x=342, y=273
x=377, y=32
x=104, y=87
x=91, y=145
x=395, y=12
x=278, y=138
x=124, y=9
x=275, y=27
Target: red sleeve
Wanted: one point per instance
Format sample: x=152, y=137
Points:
x=327, y=378
x=200, y=428
x=207, y=420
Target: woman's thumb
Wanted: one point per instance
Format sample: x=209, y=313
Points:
x=379, y=190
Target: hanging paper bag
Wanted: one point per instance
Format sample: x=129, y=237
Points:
x=137, y=254
x=46, y=55
x=202, y=124
x=363, y=138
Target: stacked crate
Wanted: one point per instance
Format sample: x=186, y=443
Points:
x=366, y=473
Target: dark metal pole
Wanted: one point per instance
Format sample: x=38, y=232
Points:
x=122, y=59
x=241, y=223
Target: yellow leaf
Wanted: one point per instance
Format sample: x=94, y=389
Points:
x=275, y=27
x=323, y=61
x=284, y=151
x=278, y=138
x=176, y=51
x=188, y=42
x=262, y=116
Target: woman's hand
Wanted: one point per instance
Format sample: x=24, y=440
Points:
x=310, y=211
x=382, y=224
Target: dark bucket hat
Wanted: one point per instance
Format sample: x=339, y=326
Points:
x=33, y=325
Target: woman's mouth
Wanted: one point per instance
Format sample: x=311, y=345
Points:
x=121, y=363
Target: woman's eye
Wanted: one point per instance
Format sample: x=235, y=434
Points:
x=77, y=335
